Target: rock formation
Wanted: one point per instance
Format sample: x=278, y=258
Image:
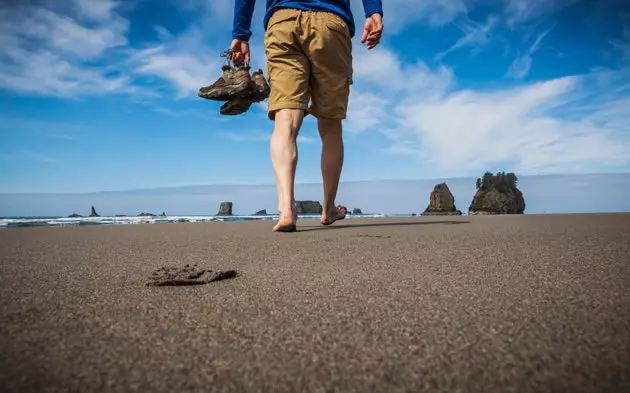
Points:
x=441, y=202
x=74, y=215
x=225, y=209
x=262, y=212
x=356, y=210
x=143, y=214
x=497, y=194
x=93, y=213
x=309, y=207
x=163, y=214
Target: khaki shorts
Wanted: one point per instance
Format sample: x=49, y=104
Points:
x=309, y=58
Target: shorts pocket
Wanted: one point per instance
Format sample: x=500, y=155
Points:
x=281, y=16
x=336, y=23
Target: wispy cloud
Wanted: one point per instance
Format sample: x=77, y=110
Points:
x=522, y=64
x=519, y=12
x=475, y=34
x=622, y=45
x=38, y=157
x=434, y=12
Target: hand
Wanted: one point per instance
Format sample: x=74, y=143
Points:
x=372, y=30
x=240, y=53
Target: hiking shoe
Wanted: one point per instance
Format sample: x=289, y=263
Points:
x=231, y=83
x=236, y=106
x=259, y=87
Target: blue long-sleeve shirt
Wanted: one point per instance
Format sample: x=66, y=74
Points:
x=244, y=10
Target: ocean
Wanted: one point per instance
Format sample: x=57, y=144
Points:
x=20, y=222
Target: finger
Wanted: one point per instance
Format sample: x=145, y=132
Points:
x=364, y=36
x=376, y=33
x=373, y=39
x=247, y=58
x=237, y=59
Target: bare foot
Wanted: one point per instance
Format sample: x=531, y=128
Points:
x=287, y=221
x=334, y=214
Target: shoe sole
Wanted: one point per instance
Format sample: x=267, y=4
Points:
x=225, y=93
x=233, y=110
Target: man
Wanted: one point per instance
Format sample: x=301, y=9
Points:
x=309, y=57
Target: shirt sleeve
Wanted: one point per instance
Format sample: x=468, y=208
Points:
x=372, y=7
x=243, y=12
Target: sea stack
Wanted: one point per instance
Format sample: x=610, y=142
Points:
x=441, y=202
x=497, y=194
x=309, y=207
x=225, y=209
x=93, y=213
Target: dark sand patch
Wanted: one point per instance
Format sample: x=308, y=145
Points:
x=187, y=275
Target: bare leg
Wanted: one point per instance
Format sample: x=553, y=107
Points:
x=332, y=162
x=284, y=157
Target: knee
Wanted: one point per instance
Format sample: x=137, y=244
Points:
x=329, y=128
x=289, y=120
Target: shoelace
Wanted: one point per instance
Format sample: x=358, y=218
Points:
x=228, y=57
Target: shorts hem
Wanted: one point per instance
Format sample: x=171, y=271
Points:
x=272, y=109
x=322, y=115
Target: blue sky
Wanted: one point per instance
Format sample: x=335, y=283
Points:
x=100, y=95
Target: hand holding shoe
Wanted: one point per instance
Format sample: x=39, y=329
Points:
x=239, y=53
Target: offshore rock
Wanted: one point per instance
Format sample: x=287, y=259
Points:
x=93, y=213
x=225, y=209
x=309, y=207
x=497, y=194
x=441, y=202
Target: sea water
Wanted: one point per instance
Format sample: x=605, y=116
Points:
x=16, y=222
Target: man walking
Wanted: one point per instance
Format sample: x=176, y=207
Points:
x=309, y=58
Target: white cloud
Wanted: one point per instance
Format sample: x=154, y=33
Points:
x=98, y=10
x=185, y=71
x=382, y=69
x=467, y=131
x=187, y=61
x=45, y=52
x=366, y=111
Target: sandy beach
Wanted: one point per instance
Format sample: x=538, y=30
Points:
x=424, y=304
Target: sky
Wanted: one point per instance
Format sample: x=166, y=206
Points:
x=100, y=95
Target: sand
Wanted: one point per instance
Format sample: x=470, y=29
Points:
x=424, y=304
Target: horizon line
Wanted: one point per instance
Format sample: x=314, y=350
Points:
x=297, y=183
